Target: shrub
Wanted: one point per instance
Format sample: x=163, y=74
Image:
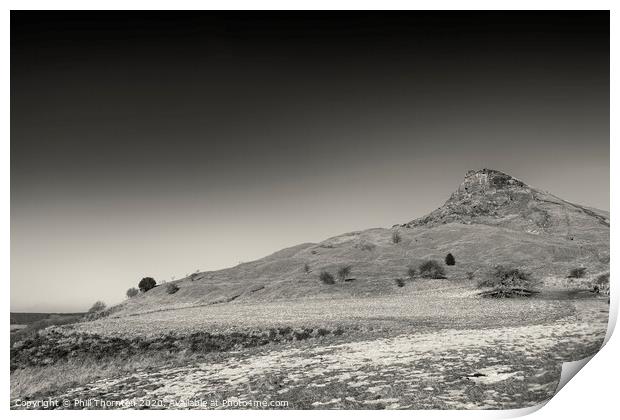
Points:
x=97, y=307
x=91, y=316
x=411, y=272
x=450, y=259
x=343, y=272
x=326, y=277
x=508, y=282
x=400, y=282
x=577, y=273
x=172, y=288
x=601, y=284
x=431, y=269
x=322, y=332
x=146, y=284
x=132, y=292
x=396, y=237
x=306, y=268
x=470, y=275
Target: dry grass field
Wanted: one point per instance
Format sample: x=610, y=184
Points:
x=437, y=345
x=419, y=305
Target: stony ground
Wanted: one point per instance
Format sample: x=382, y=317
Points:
x=486, y=367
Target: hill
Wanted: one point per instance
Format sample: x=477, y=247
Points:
x=492, y=218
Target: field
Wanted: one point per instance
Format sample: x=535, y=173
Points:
x=435, y=345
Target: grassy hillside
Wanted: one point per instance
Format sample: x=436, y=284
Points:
x=491, y=219
x=376, y=262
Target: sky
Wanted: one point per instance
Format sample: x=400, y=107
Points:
x=159, y=143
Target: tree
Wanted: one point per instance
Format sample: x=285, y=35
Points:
x=343, y=272
x=450, y=259
x=131, y=292
x=577, y=273
x=146, y=284
x=326, y=277
x=97, y=307
x=508, y=282
x=432, y=269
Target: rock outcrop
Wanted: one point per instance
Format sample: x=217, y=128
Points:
x=486, y=193
x=491, y=197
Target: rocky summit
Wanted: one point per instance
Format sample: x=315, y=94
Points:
x=482, y=195
x=491, y=197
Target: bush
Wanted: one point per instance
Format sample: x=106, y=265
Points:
x=172, y=288
x=306, y=268
x=396, y=237
x=132, y=292
x=326, y=277
x=450, y=259
x=97, y=307
x=411, y=272
x=508, y=282
x=432, y=270
x=91, y=316
x=343, y=272
x=601, y=284
x=400, y=282
x=470, y=275
x=577, y=273
x=146, y=284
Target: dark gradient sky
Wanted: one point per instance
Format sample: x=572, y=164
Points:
x=161, y=143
